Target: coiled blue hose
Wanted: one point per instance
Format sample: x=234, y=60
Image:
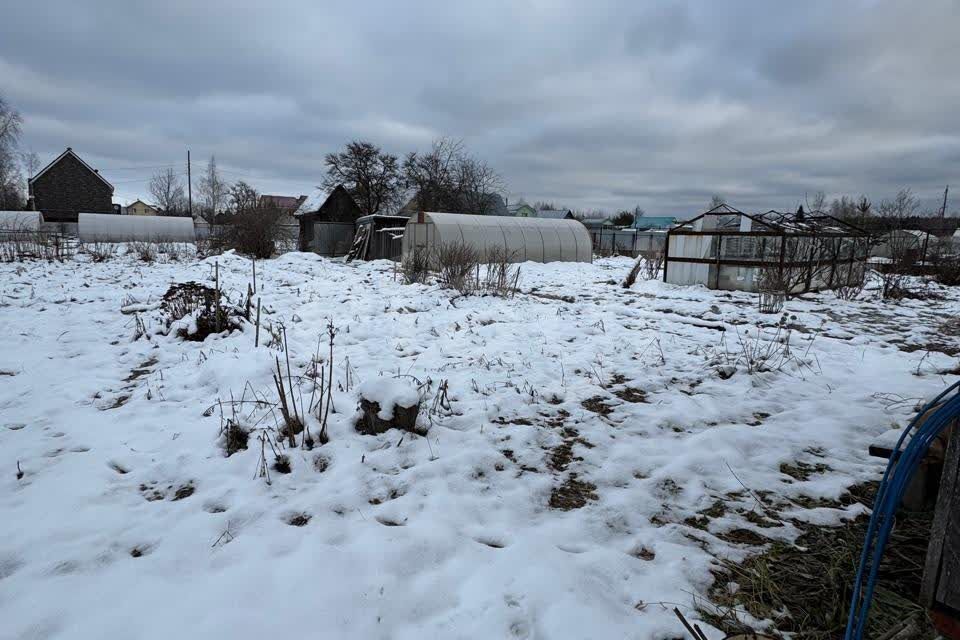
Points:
x=900, y=470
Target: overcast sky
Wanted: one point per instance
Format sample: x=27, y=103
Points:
x=590, y=104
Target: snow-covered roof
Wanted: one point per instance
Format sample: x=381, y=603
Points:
x=552, y=214
x=921, y=235
x=313, y=202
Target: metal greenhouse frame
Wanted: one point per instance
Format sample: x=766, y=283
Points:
x=725, y=248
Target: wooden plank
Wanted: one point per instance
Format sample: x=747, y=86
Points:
x=942, y=567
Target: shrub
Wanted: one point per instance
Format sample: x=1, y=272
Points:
x=853, y=283
x=947, y=271
x=502, y=273
x=457, y=264
x=415, y=266
x=255, y=232
x=145, y=251
x=100, y=251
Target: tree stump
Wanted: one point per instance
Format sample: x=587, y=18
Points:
x=370, y=423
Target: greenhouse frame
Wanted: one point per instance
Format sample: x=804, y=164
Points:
x=725, y=248
x=520, y=239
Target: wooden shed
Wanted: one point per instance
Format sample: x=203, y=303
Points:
x=327, y=222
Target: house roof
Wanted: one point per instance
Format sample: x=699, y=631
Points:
x=516, y=206
x=553, y=214
x=596, y=222
x=71, y=152
x=281, y=202
x=146, y=204
x=649, y=222
x=313, y=202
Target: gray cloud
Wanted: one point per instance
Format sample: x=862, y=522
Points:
x=600, y=105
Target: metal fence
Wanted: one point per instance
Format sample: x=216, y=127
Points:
x=627, y=242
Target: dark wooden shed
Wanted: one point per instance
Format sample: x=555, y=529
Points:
x=327, y=221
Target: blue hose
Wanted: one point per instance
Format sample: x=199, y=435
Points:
x=899, y=472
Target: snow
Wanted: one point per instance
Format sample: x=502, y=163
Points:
x=313, y=202
x=388, y=393
x=446, y=536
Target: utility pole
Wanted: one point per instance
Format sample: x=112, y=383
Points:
x=189, y=186
x=943, y=211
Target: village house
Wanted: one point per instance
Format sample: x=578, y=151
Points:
x=286, y=204
x=67, y=186
x=141, y=208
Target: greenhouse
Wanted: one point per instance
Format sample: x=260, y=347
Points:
x=522, y=239
x=787, y=252
x=107, y=227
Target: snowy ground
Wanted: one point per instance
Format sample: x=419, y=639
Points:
x=570, y=491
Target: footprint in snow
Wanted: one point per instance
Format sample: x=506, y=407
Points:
x=492, y=542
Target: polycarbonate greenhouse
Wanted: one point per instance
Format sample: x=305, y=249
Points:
x=106, y=227
x=534, y=239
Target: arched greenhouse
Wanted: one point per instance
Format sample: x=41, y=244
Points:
x=534, y=239
x=106, y=227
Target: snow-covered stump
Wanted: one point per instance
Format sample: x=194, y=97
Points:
x=387, y=403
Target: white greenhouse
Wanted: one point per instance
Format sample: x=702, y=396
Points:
x=534, y=239
x=107, y=227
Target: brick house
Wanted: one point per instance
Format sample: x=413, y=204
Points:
x=68, y=186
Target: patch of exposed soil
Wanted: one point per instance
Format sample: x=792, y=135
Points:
x=598, y=405
x=572, y=494
x=632, y=394
x=803, y=471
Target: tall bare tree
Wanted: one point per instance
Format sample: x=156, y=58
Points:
x=243, y=197
x=372, y=176
x=447, y=178
x=716, y=200
x=11, y=182
x=213, y=191
x=166, y=187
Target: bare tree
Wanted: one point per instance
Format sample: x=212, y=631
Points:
x=900, y=246
x=431, y=175
x=243, y=197
x=30, y=161
x=372, y=176
x=479, y=186
x=716, y=200
x=542, y=205
x=844, y=208
x=903, y=205
x=11, y=182
x=449, y=179
x=622, y=219
x=213, y=191
x=818, y=202
x=167, y=191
